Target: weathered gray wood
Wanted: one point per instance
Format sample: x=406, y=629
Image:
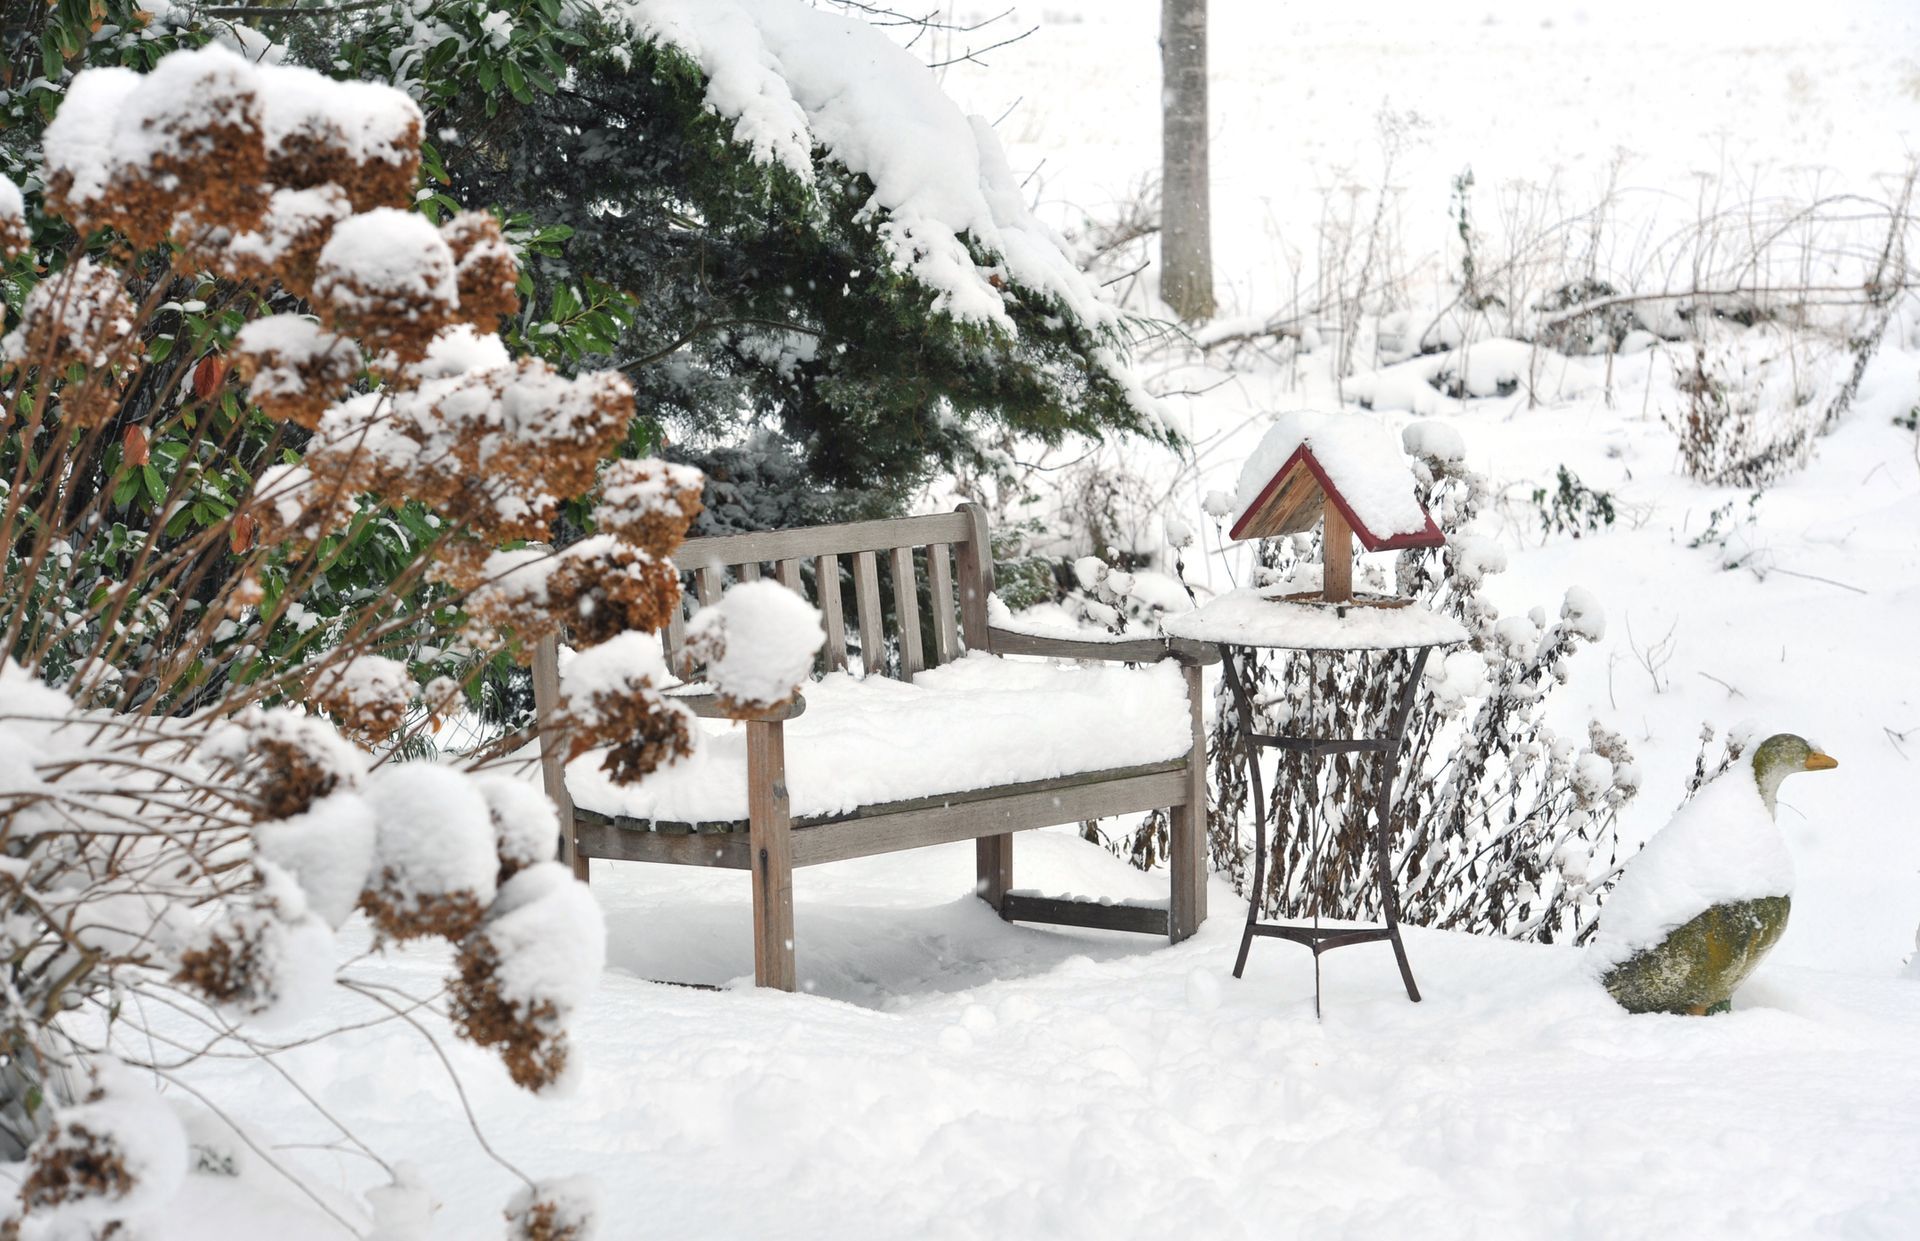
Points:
x=1187, y=837
x=748, y=572
x=553, y=743
x=826, y=585
x=866, y=597
x=676, y=635
x=976, y=577
x=710, y=582
x=946, y=630
x=906, y=610
x=1336, y=556
x=841, y=540
x=602, y=838
x=993, y=869
x=709, y=707
x=937, y=825
x=772, y=844
x=887, y=810
x=1132, y=650
x=788, y=573
x=1146, y=919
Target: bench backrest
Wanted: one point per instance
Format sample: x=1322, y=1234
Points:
x=950, y=552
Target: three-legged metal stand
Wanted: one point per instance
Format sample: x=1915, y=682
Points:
x=1325, y=939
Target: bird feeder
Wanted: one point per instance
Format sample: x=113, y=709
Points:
x=1342, y=470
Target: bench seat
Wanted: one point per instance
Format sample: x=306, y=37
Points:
x=977, y=723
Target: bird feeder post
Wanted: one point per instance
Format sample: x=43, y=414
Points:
x=1336, y=555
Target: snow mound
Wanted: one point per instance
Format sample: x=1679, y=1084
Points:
x=1263, y=618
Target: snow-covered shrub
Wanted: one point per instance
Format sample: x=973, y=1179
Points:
x=1751, y=406
x=1501, y=825
x=186, y=830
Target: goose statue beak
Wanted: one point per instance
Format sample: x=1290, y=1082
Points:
x=1817, y=761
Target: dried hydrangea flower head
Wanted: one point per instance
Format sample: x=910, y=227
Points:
x=386, y=277
x=14, y=234
x=294, y=368
x=512, y=992
x=649, y=503
x=614, y=699
x=360, y=136
x=80, y=316
x=484, y=269
x=286, y=247
x=77, y=145
x=367, y=696
x=189, y=140
x=602, y=587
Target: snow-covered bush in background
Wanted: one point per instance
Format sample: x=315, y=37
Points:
x=1502, y=826
x=179, y=837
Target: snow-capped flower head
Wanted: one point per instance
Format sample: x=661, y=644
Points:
x=434, y=868
x=83, y=315
x=649, y=503
x=294, y=368
x=107, y=1161
x=528, y=967
x=14, y=235
x=613, y=698
x=386, y=277
x=561, y=1209
x=483, y=268
x=757, y=644
x=367, y=696
x=188, y=150
x=360, y=136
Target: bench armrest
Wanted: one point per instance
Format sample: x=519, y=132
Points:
x=708, y=706
x=1128, y=650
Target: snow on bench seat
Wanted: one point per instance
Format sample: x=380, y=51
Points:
x=979, y=722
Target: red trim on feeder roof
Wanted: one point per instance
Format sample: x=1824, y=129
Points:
x=1431, y=536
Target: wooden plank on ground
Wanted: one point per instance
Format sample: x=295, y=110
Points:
x=866, y=597
x=906, y=610
x=1146, y=919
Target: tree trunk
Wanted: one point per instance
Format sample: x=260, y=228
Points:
x=1186, y=248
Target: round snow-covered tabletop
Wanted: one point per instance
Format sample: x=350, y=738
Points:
x=1264, y=618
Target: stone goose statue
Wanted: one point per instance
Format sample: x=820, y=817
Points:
x=1697, y=908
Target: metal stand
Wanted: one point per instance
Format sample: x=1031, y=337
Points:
x=1325, y=939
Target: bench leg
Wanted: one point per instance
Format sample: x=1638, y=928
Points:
x=1187, y=843
x=993, y=869
x=771, y=841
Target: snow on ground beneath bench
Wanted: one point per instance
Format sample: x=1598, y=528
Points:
x=970, y=724
x=947, y=1075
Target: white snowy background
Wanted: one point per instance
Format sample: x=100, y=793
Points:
x=946, y=1075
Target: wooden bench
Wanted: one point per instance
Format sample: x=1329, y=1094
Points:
x=950, y=554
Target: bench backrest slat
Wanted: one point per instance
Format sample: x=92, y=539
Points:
x=894, y=550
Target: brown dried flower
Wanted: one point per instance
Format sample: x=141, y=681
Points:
x=649, y=503
x=484, y=269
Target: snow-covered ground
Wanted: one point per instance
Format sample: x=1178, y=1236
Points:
x=947, y=1075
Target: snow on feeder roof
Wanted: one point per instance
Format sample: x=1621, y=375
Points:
x=1308, y=458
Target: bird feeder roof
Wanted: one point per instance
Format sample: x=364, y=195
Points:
x=1307, y=459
